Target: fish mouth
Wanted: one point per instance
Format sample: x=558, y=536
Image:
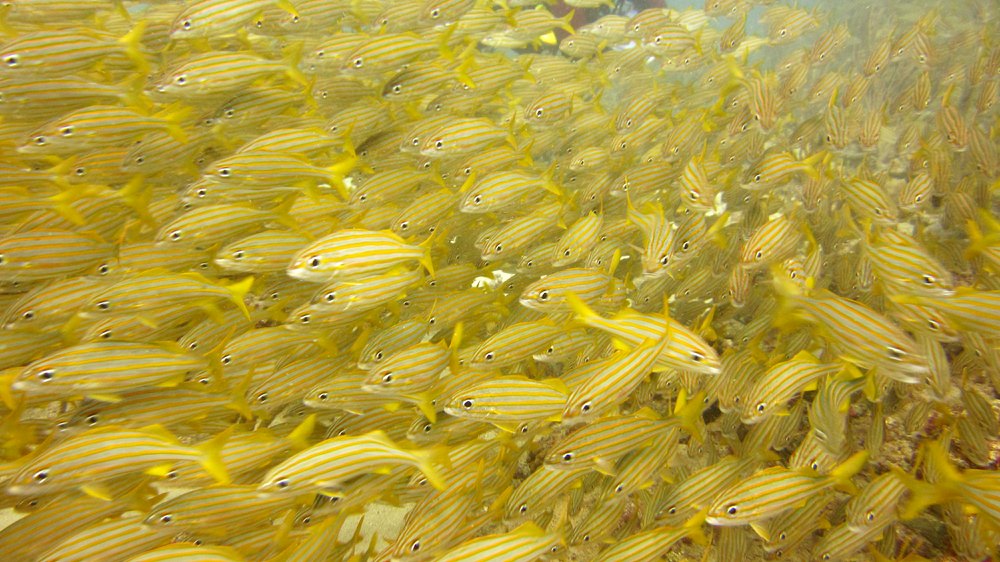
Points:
x=723, y=522
x=303, y=274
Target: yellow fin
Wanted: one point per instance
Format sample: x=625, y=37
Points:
x=97, y=490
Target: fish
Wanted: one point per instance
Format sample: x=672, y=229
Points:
x=506, y=402
x=75, y=464
x=685, y=350
x=768, y=394
x=770, y=491
x=527, y=541
x=106, y=368
x=327, y=464
x=861, y=335
x=617, y=378
x=351, y=253
x=49, y=254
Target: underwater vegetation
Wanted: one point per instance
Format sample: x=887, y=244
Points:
x=499, y=280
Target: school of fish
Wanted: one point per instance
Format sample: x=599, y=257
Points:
x=705, y=283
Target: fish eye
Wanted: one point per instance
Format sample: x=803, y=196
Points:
x=933, y=325
x=262, y=397
x=489, y=356
x=697, y=357
x=103, y=305
x=435, y=13
x=870, y=516
x=175, y=235
x=238, y=255
x=387, y=378
x=672, y=510
x=67, y=131
x=498, y=248
x=761, y=407
x=304, y=319
x=283, y=483
x=523, y=509
x=46, y=375
x=539, y=112
x=396, y=88
x=567, y=252
x=13, y=61
x=543, y=296
x=227, y=359
x=322, y=396
x=585, y=407
x=929, y=279
x=358, y=62
x=664, y=260
x=166, y=519
x=314, y=261
x=586, y=538
x=895, y=353
x=180, y=79
x=439, y=145
x=405, y=225
x=783, y=33
x=567, y=457
x=415, y=546
x=28, y=314
x=41, y=141
x=685, y=246
x=918, y=198
x=467, y=403
x=731, y=510
x=428, y=428
x=756, y=178
x=41, y=475
x=814, y=465
x=758, y=254
x=186, y=24
x=93, y=419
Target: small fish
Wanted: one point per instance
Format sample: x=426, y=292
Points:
x=267, y=251
x=352, y=253
x=686, y=350
x=773, y=490
x=599, y=444
x=526, y=542
x=49, y=254
x=78, y=461
x=614, y=382
x=514, y=344
x=103, y=369
x=861, y=335
x=780, y=383
x=325, y=466
x=509, y=401
x=214, y=18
